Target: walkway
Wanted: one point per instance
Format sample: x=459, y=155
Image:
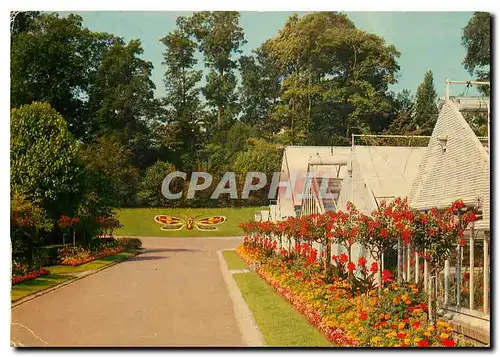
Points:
x=171, y=295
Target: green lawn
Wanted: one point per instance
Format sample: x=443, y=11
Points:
x=233, y=260
x=55, y=277
x=93, y=265
x=280, y=324
x=140, y=222
x=35, y=285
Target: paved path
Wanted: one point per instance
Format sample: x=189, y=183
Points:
x=173, y=294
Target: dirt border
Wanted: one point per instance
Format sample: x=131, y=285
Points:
x=70, y=281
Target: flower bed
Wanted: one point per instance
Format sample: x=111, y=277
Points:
x=85, y=257
x=396, y=318
x=16, y=279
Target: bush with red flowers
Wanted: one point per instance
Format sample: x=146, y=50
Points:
x=340, y=297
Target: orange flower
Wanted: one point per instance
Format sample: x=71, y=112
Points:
x=387, y=316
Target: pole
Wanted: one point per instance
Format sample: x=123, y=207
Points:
x=458, y=276
x=408, y=265
x=471, y=268
x=486, y=273
x=417, y=267
x=446, y=281
x=400, y=261
x=447, y=90
x=426, y=273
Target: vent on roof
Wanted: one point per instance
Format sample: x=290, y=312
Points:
x=442, y=140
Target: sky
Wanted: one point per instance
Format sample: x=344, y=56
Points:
x=426, y=40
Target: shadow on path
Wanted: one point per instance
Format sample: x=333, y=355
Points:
x=152, y=257
x=166, y=250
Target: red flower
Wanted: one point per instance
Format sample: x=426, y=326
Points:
x=406, y=235
x=423, y=343
x=448, y=342
x=386, y=276
x=401, y=335
x=461, y=242
x=351, y=266
x=383, y=233
x=343, y=258
x=363, y=315
x=374, y=267
x=362, y=261
x=416, y=324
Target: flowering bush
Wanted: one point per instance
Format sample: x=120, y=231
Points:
x=396, y=318
x=78, y=255
x=22, y=272
x=107, y=225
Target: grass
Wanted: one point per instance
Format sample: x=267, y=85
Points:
x=140, y=221
x=56, y=275
x=280, y=324
x=35, y=285
x=93, y=265
x=234, y=262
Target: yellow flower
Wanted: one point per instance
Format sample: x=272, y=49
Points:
x=386, y=290
x=427, y=333
x=417, y=339
x=401, y=325
x=376, y=339
x=431, y=328
x=444, y=335
x=442, y=323
x=407, y=341
x=392, y=334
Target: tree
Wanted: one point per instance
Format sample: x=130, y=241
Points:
x=476, y=39
x=55, y=60
x=122, y=97
x=403, y=121
x=182, y=132
x=426, y=111
x=150, y=187
x=260, y=89
x=43, y=159
x=112, y=162
x=23, y=21
x=335, y=79
x=258, y=156
x=219, y=36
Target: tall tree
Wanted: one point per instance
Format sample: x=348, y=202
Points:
x=122, y=97
x=54, y=59
x=184, y=109
x=403, y=116
x=476, y=38
x=220, y=37
x=23, y=21
x=426, y=111
x=335, y=79
x=43, y=159
x=260, y=89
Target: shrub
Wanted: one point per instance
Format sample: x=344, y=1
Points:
x=130, y=244
x=98, y=244
x=49, y=254
x=69, y=253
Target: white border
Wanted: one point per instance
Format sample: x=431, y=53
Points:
x=187, y=5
